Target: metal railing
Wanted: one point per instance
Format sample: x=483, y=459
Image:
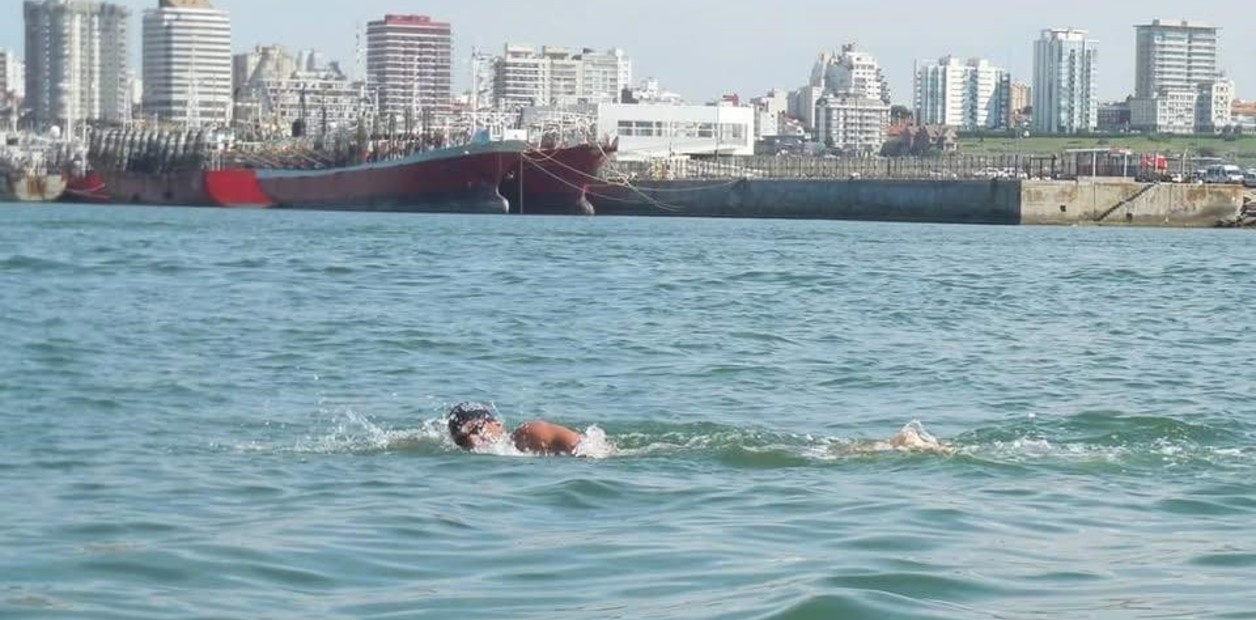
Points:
x=1064, y=166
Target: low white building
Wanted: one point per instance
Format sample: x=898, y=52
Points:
x=275, y=88
x=770, y=110
x=852, y=123
x=557, y=76
x=1172, y=111
x=1214, y=107
x=802, y=105
x=647, y=131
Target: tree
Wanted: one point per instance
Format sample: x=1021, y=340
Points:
x=900, y=114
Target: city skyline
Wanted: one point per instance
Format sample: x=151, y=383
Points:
x=730, y=49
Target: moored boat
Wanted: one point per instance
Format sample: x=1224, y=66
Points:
x=31, y=187
x=555, y=181
x=461, y=179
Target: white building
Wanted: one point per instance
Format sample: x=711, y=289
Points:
x=605, y=74
x=1065, y=101
x=651, y=91
x=187, y=63
x=12, y=76
x=77, y=63
x=277, y=88
x=409, y=63
x=1174, y=54
x=524, y=77
x=970, y=95
x=802, y=105
x=647, y=131
x=770, y=110
x=1171, y=110
x=1176, y=57
x=852, y=123
x=851, y=71
x=1214, y=109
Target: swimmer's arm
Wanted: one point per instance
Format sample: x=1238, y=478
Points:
x=545, y=438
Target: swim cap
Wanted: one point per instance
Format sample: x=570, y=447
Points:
x=463, y=415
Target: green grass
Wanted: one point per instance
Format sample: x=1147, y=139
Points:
x=1243, y=149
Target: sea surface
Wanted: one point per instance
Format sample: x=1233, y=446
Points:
x=239, y=414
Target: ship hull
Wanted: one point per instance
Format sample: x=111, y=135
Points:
x=87, y=189
x=555, y=181
x=185, y=188
x=453, y=180
x=31, y=188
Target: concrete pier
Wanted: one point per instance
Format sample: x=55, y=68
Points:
x=1009, y=202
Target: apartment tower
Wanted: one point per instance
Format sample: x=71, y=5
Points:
x=77, y=64
x=187, y=63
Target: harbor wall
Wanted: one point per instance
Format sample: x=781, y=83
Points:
x=1122, y=202
x=940, y=201
x=1090, y=202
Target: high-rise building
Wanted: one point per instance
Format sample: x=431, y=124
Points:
x=187, y=63
x=409, y=63
x=1177, y=55
x=1064, y=82
x=12, y=76
x=1022, y=97
x=971, y=95
x=558, y=77
x=851, y=71
x=77, y=64
x=1178, y=86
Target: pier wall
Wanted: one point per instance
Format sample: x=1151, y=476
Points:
x=967, y=202
x=1121, y=202
x=1011, y=202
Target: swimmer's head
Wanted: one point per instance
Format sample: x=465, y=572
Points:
x=472, y=425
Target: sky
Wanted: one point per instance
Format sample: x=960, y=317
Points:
x=705, y=48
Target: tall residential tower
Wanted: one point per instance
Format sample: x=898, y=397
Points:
x=12, y=76
x=1178, y=86
x=187, y=63
x=77, y=64
x=1065, y=101
x=409, y=62
x=1179, y=55
x=969, y=95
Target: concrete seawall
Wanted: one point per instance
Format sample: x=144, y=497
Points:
x=1126, y=203
x=1009, y=202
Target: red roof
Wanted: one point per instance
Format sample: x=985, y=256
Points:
x=413, y=20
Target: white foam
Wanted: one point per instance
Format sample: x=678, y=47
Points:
x=595, y=445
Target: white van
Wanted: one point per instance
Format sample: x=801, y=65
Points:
x=1223, y=173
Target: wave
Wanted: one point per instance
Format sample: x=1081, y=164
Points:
x=1089, y=441
x=22, y=262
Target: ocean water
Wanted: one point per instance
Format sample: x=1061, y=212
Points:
x=218, y=414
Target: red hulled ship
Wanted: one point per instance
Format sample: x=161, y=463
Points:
x=462, y=179
x=555, y=181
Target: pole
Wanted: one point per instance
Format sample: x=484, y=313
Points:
x=521, y=183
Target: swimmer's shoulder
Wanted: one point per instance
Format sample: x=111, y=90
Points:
x=544, y=437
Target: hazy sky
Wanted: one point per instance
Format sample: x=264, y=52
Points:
x=701, y=48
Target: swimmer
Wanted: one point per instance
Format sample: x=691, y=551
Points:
x=473, y=426
x=913, y=439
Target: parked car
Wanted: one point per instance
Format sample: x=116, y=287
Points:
x=1223, y=173
x=1249, y=178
